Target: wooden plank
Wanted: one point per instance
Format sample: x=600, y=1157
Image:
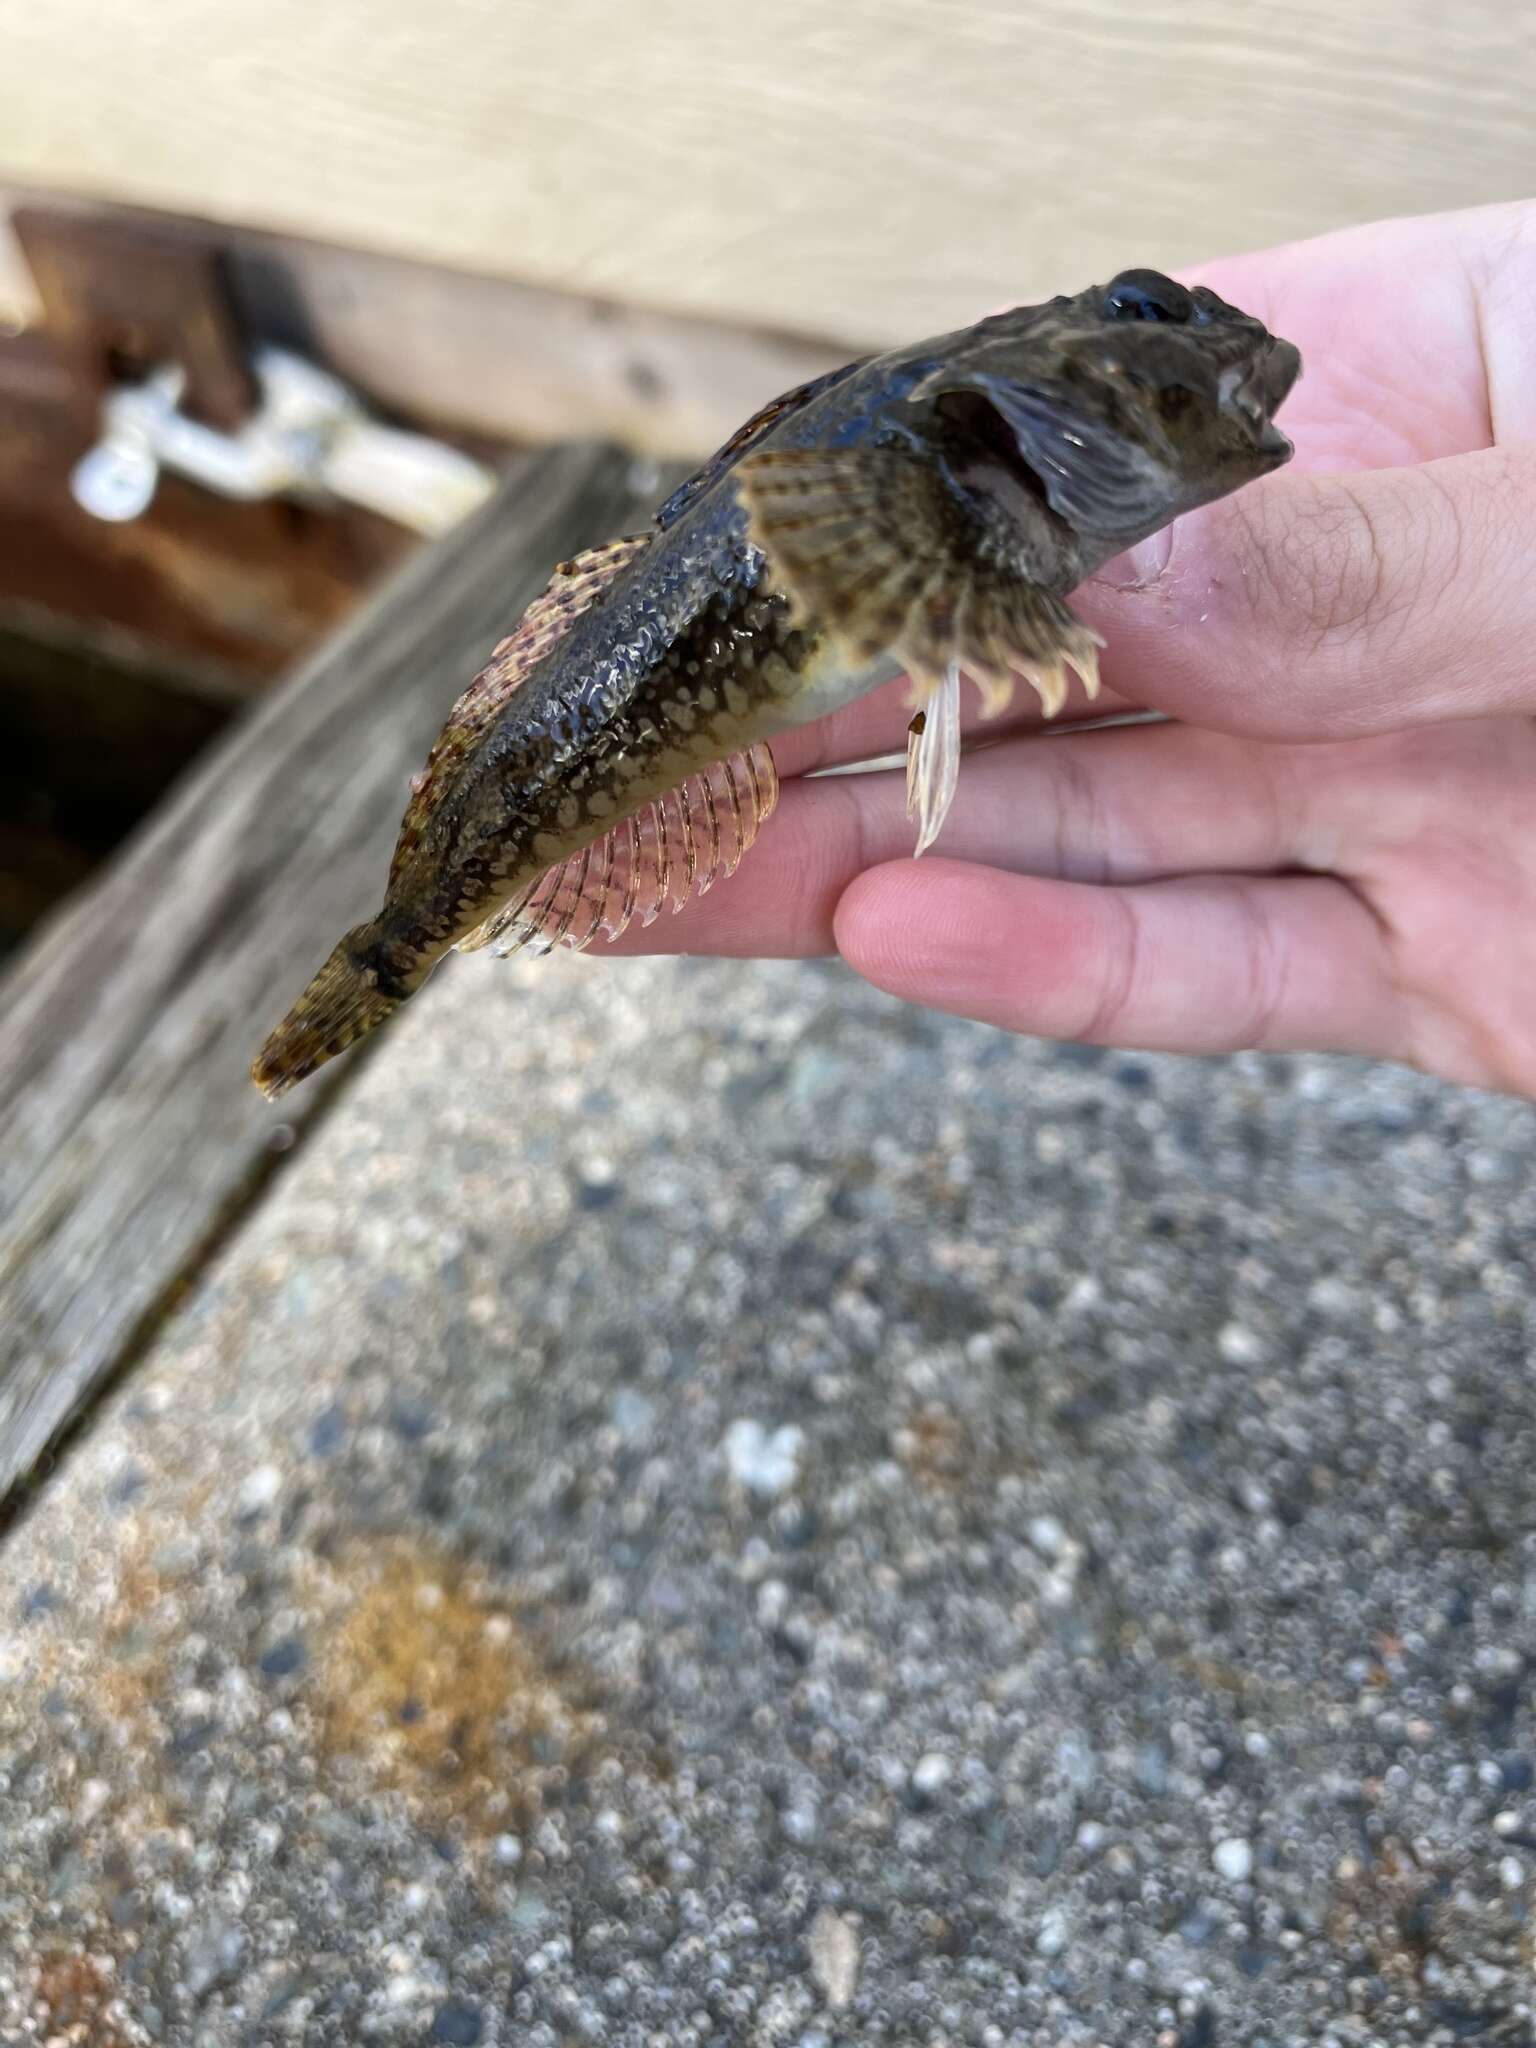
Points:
x=227, y=593
x=491, y=356
x=128, y=1127
x=481, y=355
x=873, y=170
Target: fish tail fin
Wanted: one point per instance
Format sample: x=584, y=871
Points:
x=342, y=1004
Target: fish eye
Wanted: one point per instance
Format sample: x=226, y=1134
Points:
x=1147, y=295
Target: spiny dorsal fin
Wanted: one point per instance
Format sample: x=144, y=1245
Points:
x=747, y=436
x=573, y=589
x=667, y=853
x=878, y=547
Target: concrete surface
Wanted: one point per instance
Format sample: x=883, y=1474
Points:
x=705, y=1507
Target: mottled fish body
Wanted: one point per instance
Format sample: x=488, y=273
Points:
x=927, y=510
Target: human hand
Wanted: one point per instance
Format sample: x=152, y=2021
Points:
x=1335, y=847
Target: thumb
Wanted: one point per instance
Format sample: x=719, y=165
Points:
x=1325, y=607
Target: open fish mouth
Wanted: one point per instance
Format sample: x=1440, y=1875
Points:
x=1264, y=390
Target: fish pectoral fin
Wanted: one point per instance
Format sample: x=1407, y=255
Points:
x=889, y=559
x=573, y=589
x=674, y=849
x=859, y=538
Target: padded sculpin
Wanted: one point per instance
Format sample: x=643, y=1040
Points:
x=928, y=510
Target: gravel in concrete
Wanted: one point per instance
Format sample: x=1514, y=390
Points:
x=707, y=1507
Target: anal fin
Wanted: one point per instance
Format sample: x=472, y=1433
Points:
x=674, y=849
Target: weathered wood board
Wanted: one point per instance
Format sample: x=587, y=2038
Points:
x=129, y=1131
x=871, y=170
x=449, y=350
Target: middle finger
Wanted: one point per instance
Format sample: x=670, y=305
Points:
x=1130, y=804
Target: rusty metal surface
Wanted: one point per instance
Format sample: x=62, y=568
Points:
x=229, y=593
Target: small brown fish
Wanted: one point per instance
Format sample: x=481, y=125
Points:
x=926, y=510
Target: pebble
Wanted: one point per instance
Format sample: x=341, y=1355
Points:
x=283, y=1659
x=457, y=2022
x=260, y=1488
x=1233, y=1859
x=931, y=1773
x=834, y=1950
x=765, y=1462
x=1152, y=1769
x=327, y=1432
x=94, y=1795
x=800, y=1819
x=1239, y=1345
x=213, y=1952
x=772, y=1603
x=632, y=1414
x=1051, y=1937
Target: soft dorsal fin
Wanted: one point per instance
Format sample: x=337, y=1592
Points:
x=659, y=859
x=573, y=589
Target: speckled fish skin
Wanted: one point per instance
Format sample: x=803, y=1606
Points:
x=932, y=504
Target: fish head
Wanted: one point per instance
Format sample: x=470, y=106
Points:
x=1118, y=409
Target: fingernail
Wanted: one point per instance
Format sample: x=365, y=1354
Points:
x=1140, y=565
